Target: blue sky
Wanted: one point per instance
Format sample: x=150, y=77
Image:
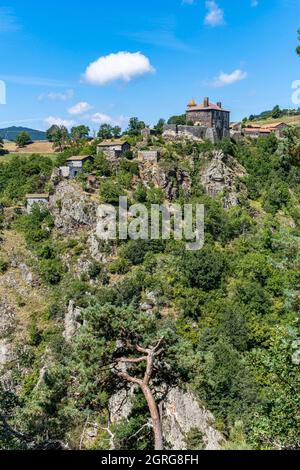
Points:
x=96, y=61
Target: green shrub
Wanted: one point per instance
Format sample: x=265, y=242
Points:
x=141, y=193
x=51, y=271
x=136, y=250
x=110, y=192
x=95, y=270
x=121, y=266
x=204, y=269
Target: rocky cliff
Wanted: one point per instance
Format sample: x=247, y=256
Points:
x=72, y=208
x=181, y=415
x=222, y=174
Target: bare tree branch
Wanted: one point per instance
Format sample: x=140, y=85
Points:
x=151, y=354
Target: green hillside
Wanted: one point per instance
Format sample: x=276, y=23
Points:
x=290, y=120
x=288, y=116
x=73, y=306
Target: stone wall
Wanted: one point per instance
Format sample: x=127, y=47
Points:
x=214, y=119
x=205, y=118
x=195, y=132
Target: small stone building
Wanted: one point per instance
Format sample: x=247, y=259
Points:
x=251, y=132
x=209, y=115
x=41, y=200
x=277, y=129
x=147, y=132
x=76, y=163
x=257, y=131
x=113, y=148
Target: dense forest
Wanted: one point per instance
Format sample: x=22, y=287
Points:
x=228, y=315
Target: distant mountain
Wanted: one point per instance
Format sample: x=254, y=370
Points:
x=10, y=133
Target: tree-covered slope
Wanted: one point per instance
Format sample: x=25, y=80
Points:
x=72, y=306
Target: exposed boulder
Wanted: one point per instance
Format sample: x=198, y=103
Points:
x=27, y=275
x=5, y=352
x=7, y=327
x=222, y=174
x=150, y=302
x=170, y=180
x=7, y=318
x=95, y=246
x=181, y=414
x=121, y=405
x=72, y=321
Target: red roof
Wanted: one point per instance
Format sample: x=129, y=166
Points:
x=274, y=126
x=201, y=107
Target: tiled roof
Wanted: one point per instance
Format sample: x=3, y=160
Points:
x=251, y=129
x=201, y=107
x=112, y=143
x=37, y=196
x=274, y=126
x=78, y=158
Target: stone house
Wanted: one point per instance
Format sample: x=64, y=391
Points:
x=251, y=132
x=256, y=131
x=41, y=200
x=76, y=164
x=278, y=128
x=147, y=132
x=113, y=148
x=209, y=115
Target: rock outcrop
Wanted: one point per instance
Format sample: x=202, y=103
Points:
x=72, y=322
x=72, y=208
x=120, y=405
x=7, y=327
x=222, y=174
x=181, y=414
x=169, y=180
x=5, y=352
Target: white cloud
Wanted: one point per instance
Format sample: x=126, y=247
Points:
x=100, y=118
x=79, y=108
x=229, y=78
x=120, y=66
x=8, y=21
x=57, y=121
x=215, y=15
x=53, y=96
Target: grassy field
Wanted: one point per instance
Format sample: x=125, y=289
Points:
x=43, y=147
x=290, y=120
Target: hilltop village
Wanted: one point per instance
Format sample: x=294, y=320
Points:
x=71, y=300
x=203, y=122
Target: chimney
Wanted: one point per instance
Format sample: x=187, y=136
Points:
x=219, y=104
x=206, y=102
